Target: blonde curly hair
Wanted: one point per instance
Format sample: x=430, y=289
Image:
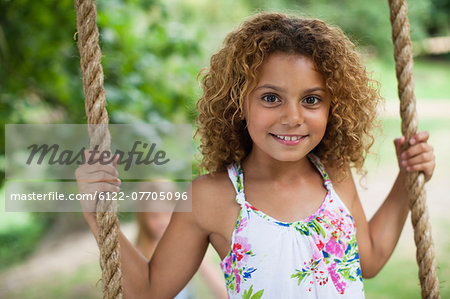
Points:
x=232, y=75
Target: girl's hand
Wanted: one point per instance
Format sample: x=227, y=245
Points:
x=92, y=178
x=419, y=156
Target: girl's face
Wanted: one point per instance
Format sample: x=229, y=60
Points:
x=288, y=109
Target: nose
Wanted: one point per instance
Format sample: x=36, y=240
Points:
x=292, y=115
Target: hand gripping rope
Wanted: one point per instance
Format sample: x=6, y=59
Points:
x=95, y=102
x=415, y=181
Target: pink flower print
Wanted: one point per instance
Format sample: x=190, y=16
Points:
x=241, y=248
x=328, y=213
x=228, y=263
x=339, y=284
x=242, y=224
x=238, y=280
x=335, y=248
x=317, y=256
x=347, y=228
x=235, y=268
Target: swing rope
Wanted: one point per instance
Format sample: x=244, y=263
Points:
x=415, y=182
x=95, y=102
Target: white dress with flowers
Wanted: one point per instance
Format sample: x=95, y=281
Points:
x=313, y=258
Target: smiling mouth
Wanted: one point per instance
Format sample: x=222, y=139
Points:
x=289, y=137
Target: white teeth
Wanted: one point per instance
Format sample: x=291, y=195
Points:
x=289, y=138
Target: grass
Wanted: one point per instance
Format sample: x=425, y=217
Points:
x=80, y=284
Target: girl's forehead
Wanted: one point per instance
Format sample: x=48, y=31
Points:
x=285, y=68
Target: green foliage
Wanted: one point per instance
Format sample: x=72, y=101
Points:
x=17, y=242
x=366, y=22
x=150, y=63
x=439, y=22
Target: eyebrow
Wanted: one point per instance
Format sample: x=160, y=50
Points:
x=270, y=86
x=279, y=89
x=315, y=89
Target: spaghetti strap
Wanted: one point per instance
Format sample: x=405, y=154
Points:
x=321, y=168
x=237, y=178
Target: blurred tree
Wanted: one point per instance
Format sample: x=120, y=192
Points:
x=150, y=63
x=367, y=22
x=439, y=23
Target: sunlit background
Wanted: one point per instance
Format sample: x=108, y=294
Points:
x=152, y=53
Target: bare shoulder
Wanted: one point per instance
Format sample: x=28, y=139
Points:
x=344, y=185
x=213, y=200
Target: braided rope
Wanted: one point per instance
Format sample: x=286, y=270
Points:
x=415, y=181
x=95, y=102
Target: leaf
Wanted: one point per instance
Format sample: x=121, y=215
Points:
x=300, y=275
x=248, y=293
x=315, y=225
x=258, y=294
x=302, y=229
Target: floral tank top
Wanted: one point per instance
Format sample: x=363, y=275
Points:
x=313, y=258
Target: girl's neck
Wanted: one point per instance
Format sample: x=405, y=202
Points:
x=272, y=169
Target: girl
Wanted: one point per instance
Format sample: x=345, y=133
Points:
x=287, y=110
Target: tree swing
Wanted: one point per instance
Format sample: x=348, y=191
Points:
x=95, y=102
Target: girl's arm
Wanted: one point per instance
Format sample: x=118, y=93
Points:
x=177, y=256
x=176, y=259
x=378, y=237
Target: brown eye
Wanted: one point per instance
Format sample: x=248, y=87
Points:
x=311, y=100
x=270, y=98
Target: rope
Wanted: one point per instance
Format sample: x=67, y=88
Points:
x=95, y=102
x=414, y=181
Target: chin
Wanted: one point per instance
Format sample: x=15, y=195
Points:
x=289, y=158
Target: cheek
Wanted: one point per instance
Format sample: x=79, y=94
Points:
x=259, y=123
x=320, y=121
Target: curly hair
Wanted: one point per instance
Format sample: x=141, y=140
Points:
x=232, y=75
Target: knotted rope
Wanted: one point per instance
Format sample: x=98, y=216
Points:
x=95, y=102
x=415, y=181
